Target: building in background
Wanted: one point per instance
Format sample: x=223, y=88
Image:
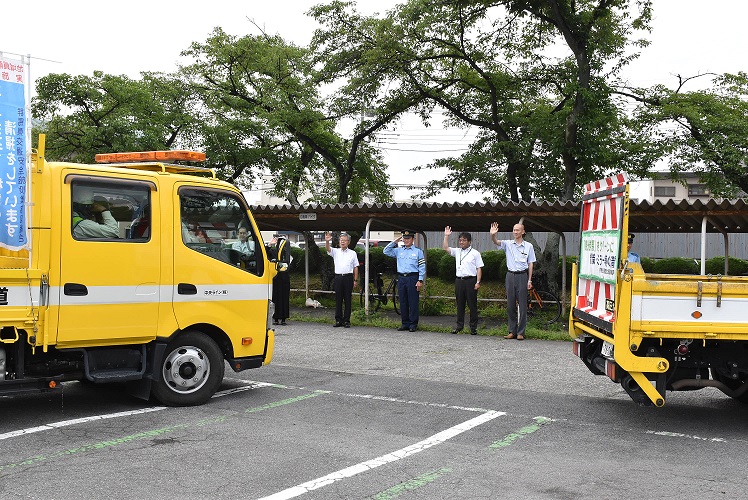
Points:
x=662, y=188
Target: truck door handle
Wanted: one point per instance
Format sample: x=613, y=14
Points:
x=186, y=289
x=75, y=289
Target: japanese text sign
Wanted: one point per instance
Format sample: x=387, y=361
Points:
x=598, y=259
x=13, y=168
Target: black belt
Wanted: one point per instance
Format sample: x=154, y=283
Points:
x=519, y=272
x=465, y=277
x=408, y=274
x=346, y=274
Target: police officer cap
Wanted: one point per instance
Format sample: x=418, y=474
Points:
x=631, y=238
x=408, y=232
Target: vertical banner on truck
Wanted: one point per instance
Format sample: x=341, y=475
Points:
x=603, y=206
x=13, y=145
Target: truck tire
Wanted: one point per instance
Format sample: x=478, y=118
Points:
x=190, y=372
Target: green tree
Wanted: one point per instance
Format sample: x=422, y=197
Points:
x=703, y=131
x=268, y=90
x=86, y=115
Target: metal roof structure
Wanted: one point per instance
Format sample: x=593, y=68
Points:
x=730, y=216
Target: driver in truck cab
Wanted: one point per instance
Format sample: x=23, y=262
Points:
x=92, y=218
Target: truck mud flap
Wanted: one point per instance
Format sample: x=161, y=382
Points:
x=241, y=364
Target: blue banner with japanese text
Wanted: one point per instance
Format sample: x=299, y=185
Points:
x=13, y=168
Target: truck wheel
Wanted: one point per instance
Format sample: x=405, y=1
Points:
x=190, y=372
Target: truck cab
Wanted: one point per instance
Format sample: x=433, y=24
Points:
x=133, y=275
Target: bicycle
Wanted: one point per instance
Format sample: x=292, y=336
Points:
x=543, y=305
x=379, y=296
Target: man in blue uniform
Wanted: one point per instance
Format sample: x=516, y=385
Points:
x=411, y=271
x=633, y=256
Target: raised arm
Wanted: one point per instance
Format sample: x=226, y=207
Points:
x=447, y=233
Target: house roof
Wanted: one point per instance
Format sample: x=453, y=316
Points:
x=657, y=217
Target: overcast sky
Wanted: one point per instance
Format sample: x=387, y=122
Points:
x=78, y=37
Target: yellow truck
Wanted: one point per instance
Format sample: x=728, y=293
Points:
x=134, y=274
x=652, y=333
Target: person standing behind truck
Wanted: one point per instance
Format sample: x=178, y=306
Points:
x=92, y=218
x=411, y=269
x=346, y=277
x=281, y=282
x=633, y=256
x=520, y=256
x=468, y=262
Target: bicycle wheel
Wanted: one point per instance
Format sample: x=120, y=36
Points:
x=395, y=297
x=374, y=302
x=544, y=306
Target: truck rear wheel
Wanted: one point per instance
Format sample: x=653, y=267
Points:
x=190, y=372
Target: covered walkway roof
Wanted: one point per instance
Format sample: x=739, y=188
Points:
x=670, y=217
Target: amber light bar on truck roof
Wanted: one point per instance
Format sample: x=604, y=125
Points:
x=150, y=156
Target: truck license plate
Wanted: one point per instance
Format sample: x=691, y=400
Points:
x=607, y=349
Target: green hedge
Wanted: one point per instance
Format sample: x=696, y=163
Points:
x=298, y=259
x=447, y=270
x=433, y=258
x=736, y=267
x=442, y=265
x=648, y=264
x=378, y=261
x=676, y=265
x=493, y=262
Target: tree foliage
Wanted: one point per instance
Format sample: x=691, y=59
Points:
x=703, y=131
x=86, y=115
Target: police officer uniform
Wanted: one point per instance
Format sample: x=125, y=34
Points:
x=411, y=270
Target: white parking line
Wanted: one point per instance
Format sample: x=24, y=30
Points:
x=74, y=421
x=250, y=385
x=686, y=436
x=385, y=459
x=64, y=423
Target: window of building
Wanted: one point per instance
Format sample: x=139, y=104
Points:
x=664, y=191
x=698, y=190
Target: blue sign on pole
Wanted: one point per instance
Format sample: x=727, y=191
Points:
x=13, y=168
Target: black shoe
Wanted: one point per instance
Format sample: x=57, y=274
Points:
x=473, y=332
x=283, y=322
x=275, y=322
x=412, y=329
x=337, y=325
x=457, y=330
x=402, y=328
x=347, y=325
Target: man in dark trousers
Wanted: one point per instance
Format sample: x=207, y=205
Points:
x=520, y=257
x=346, y=277
x=468, y=263
x=411, y=271
x=281, y=282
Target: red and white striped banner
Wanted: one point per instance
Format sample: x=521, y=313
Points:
x=598, y=259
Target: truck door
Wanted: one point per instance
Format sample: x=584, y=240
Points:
x=109, y=261
x=219, y=267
